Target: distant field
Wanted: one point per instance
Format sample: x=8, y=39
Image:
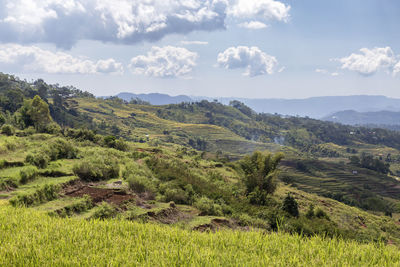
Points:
x=29, y=238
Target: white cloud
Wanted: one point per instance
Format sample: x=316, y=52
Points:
x=396, y=68
x=35, y=59
x=253, y=25
x=194, y=43
x=255, y=61
x=261, y=9
x=64, y=22
x=370, y=61
x=165, y=62
x=323, y=71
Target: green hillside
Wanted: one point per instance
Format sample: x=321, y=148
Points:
x=68, y=158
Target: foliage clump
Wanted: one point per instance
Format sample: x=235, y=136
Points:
x=290, y=206
x=260, y=175
x=28, y=174
x=45, y=193
x=7, y=130
x=97, y=168
x=104, y=211
x=208, y=207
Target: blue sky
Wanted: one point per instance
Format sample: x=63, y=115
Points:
x=240, y=48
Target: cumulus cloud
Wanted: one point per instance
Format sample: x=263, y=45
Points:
x=370, y=61
x=396, y=69
x=35, y=59
x=64, y=22
x=261, y=9
x=253, y=25
x=255, y=61
x=165, y=62
x=194, y=43
x=324, y=71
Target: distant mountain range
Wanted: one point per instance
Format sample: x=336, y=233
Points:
x=155, y=98
x=387, y=119
x=314, y=107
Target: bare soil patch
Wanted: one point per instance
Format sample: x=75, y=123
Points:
x=113, y=196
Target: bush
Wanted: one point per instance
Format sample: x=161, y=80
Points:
x=121, y=145
x=7, y=130
x=141, y=184
x=208, y=207
x=2, y=119
x=104, y=211
x=290, y=206
x=41, y=195
x=40, y=160
x=97, y=168
x=176, y=195
x=319, y=213
x=61, y=149
x=28, y=174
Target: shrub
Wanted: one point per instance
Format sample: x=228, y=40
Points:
x=28, y=174
x=8, y=184
x=140, y=184
x=97, y=168
x=208, y=207
x=61, y=149
x=290, y=205
x=104, y=211
x=40, y=160
x=41, y=195
x=319, y=213
x=2, y=119
x=121, y=145
x=176, y=195
x=7, y=130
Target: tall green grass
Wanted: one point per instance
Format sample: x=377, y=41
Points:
x=28, y=238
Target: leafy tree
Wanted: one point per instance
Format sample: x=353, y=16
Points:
x=35, y=113
x=260, y=175
x=261, y=171
x=290, y=205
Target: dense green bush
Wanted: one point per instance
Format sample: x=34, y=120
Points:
x=141, y=184
x=60, y=148
x=104, y=211
x=57, y=149
x=290, y=206
x=208, y=207
x=40, y=160
x=81, y=134
x=75, y=208
x=97, y=168
x=7, y=130
x=41, y=195
x=28, y=174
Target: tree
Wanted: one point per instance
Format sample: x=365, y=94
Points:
x=260, y=174
x=290, y=205
x=35, y=113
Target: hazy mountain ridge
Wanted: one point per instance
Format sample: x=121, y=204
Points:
x=379, y=118
x=314, y=107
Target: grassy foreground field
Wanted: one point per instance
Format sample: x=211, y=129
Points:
x=29, y=238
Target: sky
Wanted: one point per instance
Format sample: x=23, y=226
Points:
x=215, y=48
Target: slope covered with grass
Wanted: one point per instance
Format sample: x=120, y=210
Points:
x=29, y=238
